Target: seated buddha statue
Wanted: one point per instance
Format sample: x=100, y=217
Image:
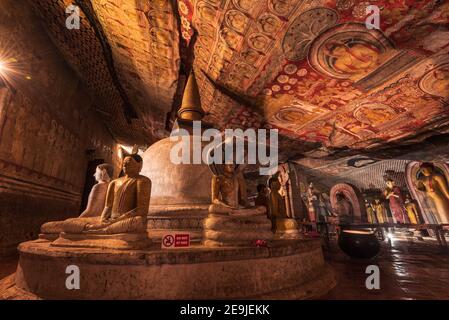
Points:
x=95, y=203
x=231, y=221
x=123, y=222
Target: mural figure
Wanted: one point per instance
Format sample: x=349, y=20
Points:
x=355, y=60
x=393, y=194
x=435, y=187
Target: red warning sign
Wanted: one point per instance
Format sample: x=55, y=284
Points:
x=176, y=240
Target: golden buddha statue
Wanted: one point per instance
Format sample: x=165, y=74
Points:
x=284, y=226
x=435, y=187
x=95, y=203
x=277, y=202
x=380, y=211
x=412, y=210
x=231, y=222
x=370, y=212
x=123, y=222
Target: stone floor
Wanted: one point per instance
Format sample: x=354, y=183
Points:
x=8, y=266
x=408, y=270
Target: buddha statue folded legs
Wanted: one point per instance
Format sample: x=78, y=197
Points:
x=95, y=204
x=231, y=222
x=122, y=224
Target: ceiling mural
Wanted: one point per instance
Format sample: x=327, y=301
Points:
x=318, y=74
x=310, y=68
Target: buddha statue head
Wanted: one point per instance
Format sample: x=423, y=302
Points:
x=103, y=172
x=427, y=168
x=132, y=164
x=390, y=183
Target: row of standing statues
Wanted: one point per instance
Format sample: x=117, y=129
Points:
x=392, y=205
x=116, y=213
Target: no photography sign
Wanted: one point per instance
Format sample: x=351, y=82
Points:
x=175, y=240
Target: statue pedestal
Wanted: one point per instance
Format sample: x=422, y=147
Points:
x=288, y=269
x=287, y=228
x=122, y=241
x=221, y=230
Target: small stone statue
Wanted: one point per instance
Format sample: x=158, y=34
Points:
x=231, y=222
x=124, y=218
x=95, y=203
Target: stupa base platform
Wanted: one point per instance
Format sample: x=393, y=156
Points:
x=122, y=241
x=177, y=221
x=293, y=269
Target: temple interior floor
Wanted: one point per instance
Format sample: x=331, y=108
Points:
x=8, y=266
x=408, y=270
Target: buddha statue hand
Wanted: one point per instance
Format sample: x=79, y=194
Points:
x=218, y=202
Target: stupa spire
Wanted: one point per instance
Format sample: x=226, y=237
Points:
x=191, y=104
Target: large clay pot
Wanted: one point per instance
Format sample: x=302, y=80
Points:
x=359, y=243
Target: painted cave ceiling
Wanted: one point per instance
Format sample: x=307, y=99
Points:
x=310, y=68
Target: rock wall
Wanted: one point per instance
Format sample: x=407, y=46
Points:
x=49, y=130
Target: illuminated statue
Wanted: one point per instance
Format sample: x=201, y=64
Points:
x=123, y=221
x=95, y=203
x=277, y=202
x=371, y=214
x=284, y=226
x=412, y=210
x=436, y=188
x=380, y=211
x=231, y=221
x=393, y=194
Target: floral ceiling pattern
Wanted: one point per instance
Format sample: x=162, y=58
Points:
x=310, y=68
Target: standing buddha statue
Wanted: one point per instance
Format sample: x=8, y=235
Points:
x=435, y=187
